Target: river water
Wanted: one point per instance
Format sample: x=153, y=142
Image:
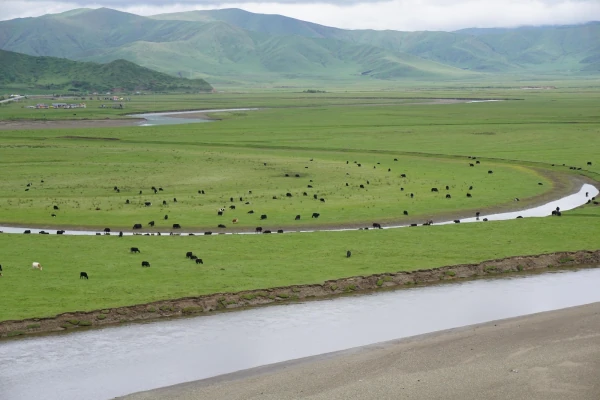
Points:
x=165, y=118
x=566, y=203
x=105, y=363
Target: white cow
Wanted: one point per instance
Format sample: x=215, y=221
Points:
x=36, y=265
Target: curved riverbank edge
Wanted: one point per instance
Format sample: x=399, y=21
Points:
x=208, y=304
x=563, y=186
x=547, y=355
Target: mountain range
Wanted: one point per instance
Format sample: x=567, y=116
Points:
x=236, y=46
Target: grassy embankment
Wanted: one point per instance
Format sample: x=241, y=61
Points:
x=227, y=155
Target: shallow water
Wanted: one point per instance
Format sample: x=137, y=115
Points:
x=165, y=118
x=102, y=364
x=566, y=203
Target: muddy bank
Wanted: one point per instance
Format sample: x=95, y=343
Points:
x=226, y=301
x=62, y=124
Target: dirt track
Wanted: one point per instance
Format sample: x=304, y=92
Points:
x=547, y=356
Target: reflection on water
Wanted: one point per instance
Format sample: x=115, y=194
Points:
x=102, y=364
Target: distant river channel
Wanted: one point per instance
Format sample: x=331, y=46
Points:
x=168, y=118
x=104, y=363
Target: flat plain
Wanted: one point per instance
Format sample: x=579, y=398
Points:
x=531, y=144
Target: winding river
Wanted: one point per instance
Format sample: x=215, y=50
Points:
x=570, y=202
x=166, y=118
x=103, y=363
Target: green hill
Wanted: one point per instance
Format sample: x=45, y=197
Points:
x=558, y=49
x=217, y=50
x=51, y=73
x=236, y=46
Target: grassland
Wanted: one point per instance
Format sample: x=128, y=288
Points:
x=240, y=262
x=518, y=140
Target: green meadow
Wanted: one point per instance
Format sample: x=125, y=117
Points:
x=239, y=262
x=525, y=143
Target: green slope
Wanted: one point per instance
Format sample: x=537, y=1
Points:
x=51, y=73
x=236, y=46
x=217, y=50
x=548, y=48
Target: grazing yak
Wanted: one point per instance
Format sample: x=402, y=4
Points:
x=176, y=226
x=221, y=226
x=405, y=212
x=56, y=207
x=263, y=216
x=83, y=275
x=258, y=229
x=316, y=215
x=27, y=231
x=348, y=254
x=36, y=265
x=134, y=250
x=121, y=234
x=151, y=223
x=297, y=218
x=189, y=254
x=145, y=264
x=376, y=225
x=147, y=204
x=448, y=196
x=279, y=230
x=137, y=226
x=235, y=220
x=199, y=261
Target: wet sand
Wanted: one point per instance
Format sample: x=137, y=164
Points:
x=553, y=355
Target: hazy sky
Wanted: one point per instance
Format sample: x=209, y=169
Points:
x=406, y=15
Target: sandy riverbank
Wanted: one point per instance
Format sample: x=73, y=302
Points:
x=553, y=355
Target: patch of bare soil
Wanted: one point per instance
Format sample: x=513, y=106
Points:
x=252, y=298
x=62, y=124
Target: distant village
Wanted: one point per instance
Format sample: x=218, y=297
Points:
x=114, y=99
